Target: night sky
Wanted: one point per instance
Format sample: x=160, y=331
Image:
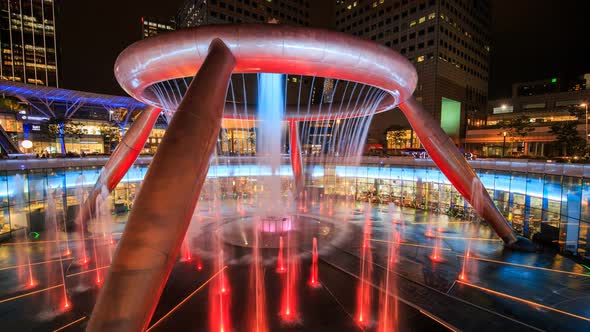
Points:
x=533, y=39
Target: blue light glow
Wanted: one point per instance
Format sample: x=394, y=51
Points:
x=516, y=184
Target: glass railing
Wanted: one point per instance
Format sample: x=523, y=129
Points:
x=545, y=200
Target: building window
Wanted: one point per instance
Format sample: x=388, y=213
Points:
x=420, y=58
x=533, y=106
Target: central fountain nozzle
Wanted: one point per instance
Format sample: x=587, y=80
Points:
x=275, y=224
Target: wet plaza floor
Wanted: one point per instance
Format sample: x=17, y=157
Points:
x=430, y=272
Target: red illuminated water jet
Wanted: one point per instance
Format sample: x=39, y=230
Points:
x=363, y=299
x=219, y=300
x=314, y=280
x=82, y=254
x=98, y=277
x=199, y=264
x=464, y=268
x=436, y=255
x=436, y=251
x=289, y=311
x=257, y=320
x=281, y=268
x=388, y=314
x=31, y=282
x=185, y=251
x=219, y=315
x=66, y=304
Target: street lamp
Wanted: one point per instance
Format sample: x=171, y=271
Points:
x=504, y=143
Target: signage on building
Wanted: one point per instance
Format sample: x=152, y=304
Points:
x=32, y=118
x=503, y=109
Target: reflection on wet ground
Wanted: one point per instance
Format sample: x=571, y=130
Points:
x=378, y=268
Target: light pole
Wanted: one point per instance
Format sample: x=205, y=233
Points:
x=504, y=143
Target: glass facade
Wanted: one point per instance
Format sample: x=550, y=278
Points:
x=28, y=47
x=536, y=204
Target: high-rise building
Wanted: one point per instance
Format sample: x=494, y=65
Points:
x=151, y=28
x=198, y=12
x=237, y=137
x=28, y=45
x=447, y=40
x=194, y=13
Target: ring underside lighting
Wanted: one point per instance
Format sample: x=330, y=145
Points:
x=367, y=78
x=374, y=72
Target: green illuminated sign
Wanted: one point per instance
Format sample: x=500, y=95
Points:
x=450, y=117
x=554, y=80
x=35, y=235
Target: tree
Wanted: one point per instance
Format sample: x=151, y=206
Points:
x=61, y=127
x=121, y=116
x=9, y=104
x=567, y=137
x=518, y=128
x=395, y=136
x=110, y=133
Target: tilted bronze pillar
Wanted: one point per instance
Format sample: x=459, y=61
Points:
x=121, y=160
x=452, y=163
x=296, y=160
x=164, y=206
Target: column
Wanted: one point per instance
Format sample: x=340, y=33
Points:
x=296, y=160
x=121, y=160
x=166, y=201
x=452, y=163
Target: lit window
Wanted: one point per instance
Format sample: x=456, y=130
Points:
x=431, y=16
x=420, y=58
x=349, y=7
x=412, y=23
x=422, y=19
x=374, y=4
